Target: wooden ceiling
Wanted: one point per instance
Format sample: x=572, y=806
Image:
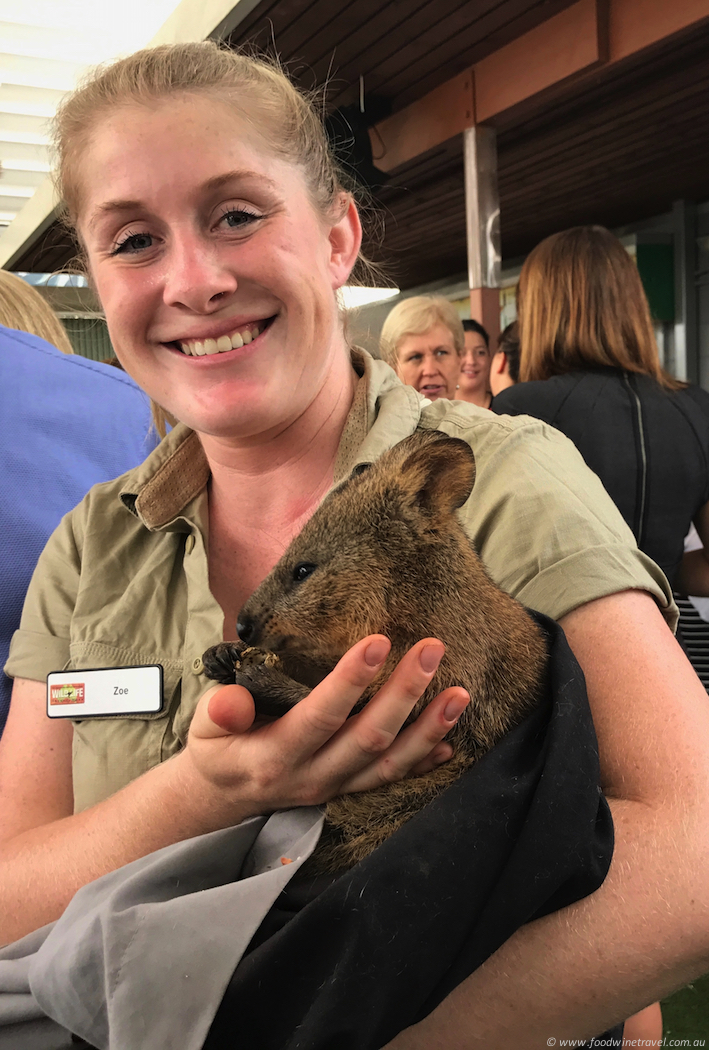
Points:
x=617, y=147
x=403, y=48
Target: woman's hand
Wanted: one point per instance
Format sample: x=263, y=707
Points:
x=316, y=751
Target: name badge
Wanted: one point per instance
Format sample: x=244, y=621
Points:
x=107, y=692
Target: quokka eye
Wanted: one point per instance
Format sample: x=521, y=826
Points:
x=303, y=570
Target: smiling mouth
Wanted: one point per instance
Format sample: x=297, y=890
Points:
x=225, y=343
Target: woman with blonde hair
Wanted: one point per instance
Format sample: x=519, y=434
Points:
x=217, y=233
x=422, y=339
x=23, y=308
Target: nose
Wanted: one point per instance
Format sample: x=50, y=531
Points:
x=197, y=277
x=248, y=629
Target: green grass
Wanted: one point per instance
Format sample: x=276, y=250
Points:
x=685, y=1014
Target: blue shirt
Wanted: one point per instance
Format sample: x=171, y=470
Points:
x=66, y=423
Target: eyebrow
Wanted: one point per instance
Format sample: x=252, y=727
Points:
x=210, y=186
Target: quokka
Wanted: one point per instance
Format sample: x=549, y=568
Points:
x=386, y=554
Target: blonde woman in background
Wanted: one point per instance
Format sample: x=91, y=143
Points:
x=23, y=308
x=422, y=339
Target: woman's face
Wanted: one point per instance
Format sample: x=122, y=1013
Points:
x=429, y=362
x=475, y=365
x=216, y=273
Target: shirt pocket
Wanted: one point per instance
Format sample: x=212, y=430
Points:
x=109, y=753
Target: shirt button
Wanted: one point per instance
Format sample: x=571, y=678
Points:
x=189, y=544
x=197, y=665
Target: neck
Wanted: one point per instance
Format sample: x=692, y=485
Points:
x=281, y=476
x=475, y=397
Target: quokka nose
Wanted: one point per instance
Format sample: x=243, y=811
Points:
x=247, y=629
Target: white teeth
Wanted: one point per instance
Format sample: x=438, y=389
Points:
x=198, y=348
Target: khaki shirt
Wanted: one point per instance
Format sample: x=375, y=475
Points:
x=124, y=578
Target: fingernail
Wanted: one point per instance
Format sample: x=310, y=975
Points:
x=376, y=652
x=430, y=657
x=454, y=709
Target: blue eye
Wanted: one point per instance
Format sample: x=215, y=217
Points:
x=237, y=218
x=303, y=570
x=134, y=242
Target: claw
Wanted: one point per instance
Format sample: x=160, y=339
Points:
x=221, y=662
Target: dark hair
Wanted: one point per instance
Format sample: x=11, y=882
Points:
x=581, y=304
x=475, y=326
x=508, y=344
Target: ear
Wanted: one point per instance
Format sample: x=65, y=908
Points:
x=345, y=239
x=438, y=476
x=499, y=363
x=360, y=469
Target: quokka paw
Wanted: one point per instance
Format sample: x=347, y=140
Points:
x=220, y=662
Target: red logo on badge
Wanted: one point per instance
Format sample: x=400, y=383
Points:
x=72, y=693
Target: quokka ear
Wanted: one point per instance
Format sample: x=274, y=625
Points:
x=438, y=476
x=360, y=469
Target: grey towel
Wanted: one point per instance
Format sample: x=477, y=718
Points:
x=128, y=964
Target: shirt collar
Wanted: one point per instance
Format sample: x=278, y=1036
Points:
x=160, y=488
x=383, y=412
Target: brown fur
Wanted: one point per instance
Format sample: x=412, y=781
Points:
x=386, y=554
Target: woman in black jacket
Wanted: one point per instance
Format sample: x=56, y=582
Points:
x=589, y=366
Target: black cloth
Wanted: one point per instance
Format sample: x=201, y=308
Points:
x=524, y=832
x=649, y=446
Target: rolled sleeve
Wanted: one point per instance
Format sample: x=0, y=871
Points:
x=545, y=527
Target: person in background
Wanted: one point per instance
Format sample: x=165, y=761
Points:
x=504, y=367
x=422, y=339
x=66, y=423
x=590, y=367
x=474, y=382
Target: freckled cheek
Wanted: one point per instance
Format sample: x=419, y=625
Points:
x=130, y=307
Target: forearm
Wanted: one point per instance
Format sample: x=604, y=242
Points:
x=645, y=931
x=579, y=971
x=43, y=867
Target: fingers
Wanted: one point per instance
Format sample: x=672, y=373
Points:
x=315, y=720
x=386, y=712
x=222, y=711
x=417, y=749
x=316, y=750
